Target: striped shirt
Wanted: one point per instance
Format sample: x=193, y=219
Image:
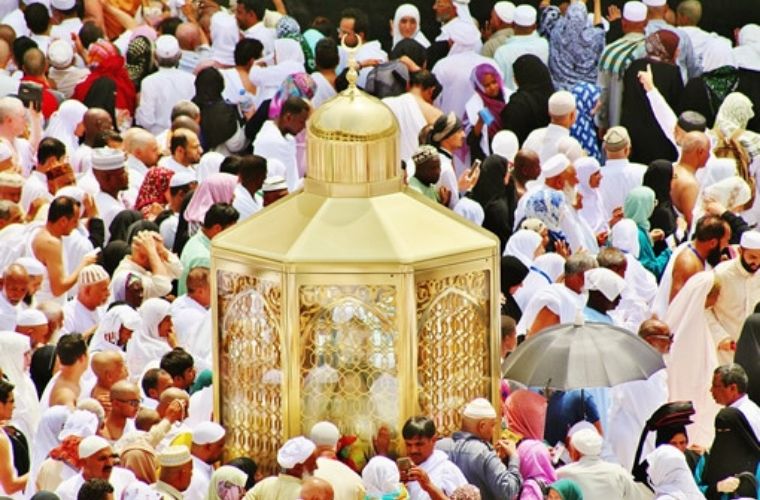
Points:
x=618, y=55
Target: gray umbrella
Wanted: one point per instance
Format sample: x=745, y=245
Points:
x=572, y=356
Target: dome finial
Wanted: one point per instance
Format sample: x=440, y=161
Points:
x=353, y=65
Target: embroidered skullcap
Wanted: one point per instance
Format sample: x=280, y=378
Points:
x=295, y=451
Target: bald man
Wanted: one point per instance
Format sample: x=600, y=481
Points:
x=109, y=368
x=125, y=402
x=695, y=150
x=194, y=45
x=15, y=287
x=96, y=121
x=315, y=488
x=168, y=403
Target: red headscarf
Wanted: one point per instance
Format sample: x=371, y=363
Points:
x=105, y=60
x=526, y=414
x=153, y=189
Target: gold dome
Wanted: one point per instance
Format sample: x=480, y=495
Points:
x=352, y=140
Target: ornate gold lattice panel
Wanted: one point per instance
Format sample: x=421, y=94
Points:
x=349, y=372
x=453, y=328
x=250, y=372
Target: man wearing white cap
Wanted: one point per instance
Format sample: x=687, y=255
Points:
x=179, y=185
x=273, y=189
x=176, y=473
x=108, y=167
x=493, y=470
x=525, y=40
x=739, y=294
x=63, y=70
x=33, y=324
x=686, y=59
x=545, y=141
x=615, y=59
x=160, y=91
x=597, y=479
x=346, y=484
x=15, y=288
x=66, y=14
x=297, y=458
x=84, y=312
x=97, y=459
x=143, y=153
x=619, y=175
x=604, y=291
x=206, y=450
x=501, y=23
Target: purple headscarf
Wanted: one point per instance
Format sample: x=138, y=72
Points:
x=217, y=188
x=494, y=105
x=536, y=464
x=296, y=85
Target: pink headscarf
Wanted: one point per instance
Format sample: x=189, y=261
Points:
x=217, y=188
x=526, y=414
x=535, y=464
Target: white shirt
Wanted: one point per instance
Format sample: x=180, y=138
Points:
x=544, y=141
x=81, y=161
x=263, y=34
x=325, y=91
x=159, y=93
x=410, y=122
x=175, y=166
x=198, y=489
x=244, y=203
x=120, y=479
x=750, y=410
x=346, y=483
x=600, y=480
x=77, y=318
x=7, y=314
x=234, y=92
x=619, y=177
x=271, y=143
x=442, y=472
x=108, y=207
x=188, y=317
x=168, y=230
x=34, y=187
x=66, y=28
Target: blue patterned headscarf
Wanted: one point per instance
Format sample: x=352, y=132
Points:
x=584, y=130
x=288, y=27
x=546, y=206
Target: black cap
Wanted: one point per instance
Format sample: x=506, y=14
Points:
x=691, y=121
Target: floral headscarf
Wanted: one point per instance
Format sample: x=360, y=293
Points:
x=139, y=59
x=153, y=189
x=296, y=85
x=99, y=51
x=288, y=27
x=662, y=45
x=584, y=129
x=546, y=206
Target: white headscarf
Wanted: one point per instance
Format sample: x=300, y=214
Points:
x=46, y=438
x=693, y=357
x=224, y=37
x=26, y=414
x=222, y=477
x=718, y=169
x=747, y=53
x=669, y=474
x=464, y=35
x=547, y=267
x=734, y=113
x=408, y=10
x=731, y=192
x=470, y=210
x=287, y=49
x=380, y=477
x=209, y=164
x=625, y=237
x=718, y=52
x=523, y=245
x=106, y=337
x=64, y=122
x=593, y=206
x=146, y=345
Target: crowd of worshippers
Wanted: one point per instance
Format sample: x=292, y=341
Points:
x=615, y=157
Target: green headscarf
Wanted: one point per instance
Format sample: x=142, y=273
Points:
x=567, y=489
x=639, y=205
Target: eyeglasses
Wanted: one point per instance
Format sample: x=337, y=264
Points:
x=131, y=402
x=669, y=338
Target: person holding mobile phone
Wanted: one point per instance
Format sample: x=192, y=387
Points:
x=483, y=110
x=427, y=472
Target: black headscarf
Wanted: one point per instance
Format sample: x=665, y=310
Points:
x=513, y=272
x=497, y=200
x=120, y=224
x=141, y=225
x=219, y=120
x=41, y=369
x=102, y=94
x=748, y=354
x=113, y=254
x=528, y=107
x=658, y=177
x=139, y=60
x=532, y=75
x=734, y=450
x=411, y=48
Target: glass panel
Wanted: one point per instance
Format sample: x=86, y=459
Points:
x=250, y=372
x=453, y=328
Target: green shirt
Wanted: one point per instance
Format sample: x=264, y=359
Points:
x=197, y=248
x=427, y=191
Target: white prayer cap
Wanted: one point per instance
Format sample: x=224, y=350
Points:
x=479, y=408
x=525, y=15
x=555, y=166
x=63, y=4
x=5, y=151
x=60, y=53
x=463, y=33
x=579, y=426
x=587, y=442
x=505, y=144
x=92, y=274
x=33, y=266
x=81, y=423
x=561, y=103
x=167, y=47
x=295, y=451
x=207, y=433
x=654, y=3
x=635, y=12
x=603, y=280
x=274, y=183
x=174, y=456
x=107, y=159
x=324, y=434
x=31, y=317
x=751, y=240
x=91, y=445
x=182, y=179
x=505, y=11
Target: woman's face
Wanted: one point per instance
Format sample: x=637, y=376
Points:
x=679, y=441
x=595, y=179
x=490, y=86
x=407, y=27
x=165, y=327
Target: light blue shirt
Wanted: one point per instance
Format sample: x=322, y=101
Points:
x=516, y=46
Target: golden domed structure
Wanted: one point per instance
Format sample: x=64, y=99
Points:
x=354, y=300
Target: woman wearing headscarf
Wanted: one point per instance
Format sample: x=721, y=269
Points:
x=693, y=356
x=731, y=122
x=625, y=237
x=382, y=480
x=638, y=206
x=221, y=123
x=128, y=288
x=536, y=468
x=15, y=357
x=589, y=177
x=525, y=412
x=705, y=93
x=218, y=188
x=647, y=138
x=155, y=337
x=482, y=119
x=115, y=329
x=528, y=107
x=139, y=457
x=209, y=164
x=544, y=271
x=496, y=197
x=66, y=125
x=227, y=483
x=288, y=27
x=670, y=476
x=151, y=198
x=406, y=24
x=139, y=54
x=735, y=450
x=289, y=58
x=119, y=227
x=727, y=199
x=46, y=438
x=565, y=489
x=584, y=129
x=296, y=85
x=513, y=272
x=575, y=44
x=748, y=352
x=658, y=178
x=526, y=245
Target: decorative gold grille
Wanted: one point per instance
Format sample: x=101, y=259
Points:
x=453, y=318
x=349, y=372
x=250, y=372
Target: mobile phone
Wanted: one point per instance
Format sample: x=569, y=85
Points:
x=404, y=464
x=487, y=116
x=30, y=92
x=475, y=167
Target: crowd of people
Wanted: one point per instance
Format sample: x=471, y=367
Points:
x=614, y=155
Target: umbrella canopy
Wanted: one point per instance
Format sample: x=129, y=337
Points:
x=573, y=356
